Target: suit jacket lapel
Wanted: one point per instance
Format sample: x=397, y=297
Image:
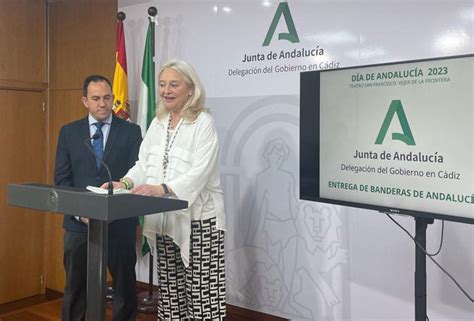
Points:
x=84, y=134
x=114, y=130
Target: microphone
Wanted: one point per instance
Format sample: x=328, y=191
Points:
x=110, y=186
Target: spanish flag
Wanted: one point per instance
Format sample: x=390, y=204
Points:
x=120, y=85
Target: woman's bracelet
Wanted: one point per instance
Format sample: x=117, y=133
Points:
x=127, y=182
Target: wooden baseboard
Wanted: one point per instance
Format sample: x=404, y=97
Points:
x=49, y=295
x=52, y=294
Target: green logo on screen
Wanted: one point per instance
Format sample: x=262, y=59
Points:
x=396, y=108
x=292, y=36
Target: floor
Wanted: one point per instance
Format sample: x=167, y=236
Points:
x=51, y=311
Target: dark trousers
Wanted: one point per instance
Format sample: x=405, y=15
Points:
x=121, y=263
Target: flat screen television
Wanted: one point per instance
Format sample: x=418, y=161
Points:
x=394, y=137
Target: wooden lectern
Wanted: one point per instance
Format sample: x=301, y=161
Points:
x=100, y=209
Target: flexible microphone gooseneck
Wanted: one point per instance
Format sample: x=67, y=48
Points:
x=110, y=186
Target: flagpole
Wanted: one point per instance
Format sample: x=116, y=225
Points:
x=153, y=12
x=121, y=16
x=109, y=291
x=148, y=302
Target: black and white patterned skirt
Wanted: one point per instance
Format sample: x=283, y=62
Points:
x=198, y=291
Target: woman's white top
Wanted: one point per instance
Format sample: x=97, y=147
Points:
x=192, y=174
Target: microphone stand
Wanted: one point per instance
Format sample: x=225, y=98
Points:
x=110, y=185
x=110, y=191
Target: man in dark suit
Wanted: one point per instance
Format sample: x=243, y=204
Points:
x=76, y=166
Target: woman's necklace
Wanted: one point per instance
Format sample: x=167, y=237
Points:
x=169, y=143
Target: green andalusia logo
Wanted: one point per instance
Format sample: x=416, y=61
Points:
x=406, y=137
x=292, y=36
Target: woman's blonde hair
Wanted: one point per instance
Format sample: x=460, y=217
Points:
x=195, y=104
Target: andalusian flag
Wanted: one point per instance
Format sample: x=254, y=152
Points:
x=147, y=98
x=120, y=85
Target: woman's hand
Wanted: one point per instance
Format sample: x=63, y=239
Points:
x=115, y=184
x=149, y=190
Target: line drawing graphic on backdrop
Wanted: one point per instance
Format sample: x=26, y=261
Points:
x=321, y=240
x=274, y=210
x=178, y=34
x=165, y=41
x=285, y=256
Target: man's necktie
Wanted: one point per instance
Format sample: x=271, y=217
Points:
x=98, y=144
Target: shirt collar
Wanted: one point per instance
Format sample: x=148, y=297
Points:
x=92, y=120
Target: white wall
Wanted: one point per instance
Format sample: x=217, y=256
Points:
x=308, y=261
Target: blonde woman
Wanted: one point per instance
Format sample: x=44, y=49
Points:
x=179, y=158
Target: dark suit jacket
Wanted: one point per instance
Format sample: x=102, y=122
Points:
x=75, y=164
